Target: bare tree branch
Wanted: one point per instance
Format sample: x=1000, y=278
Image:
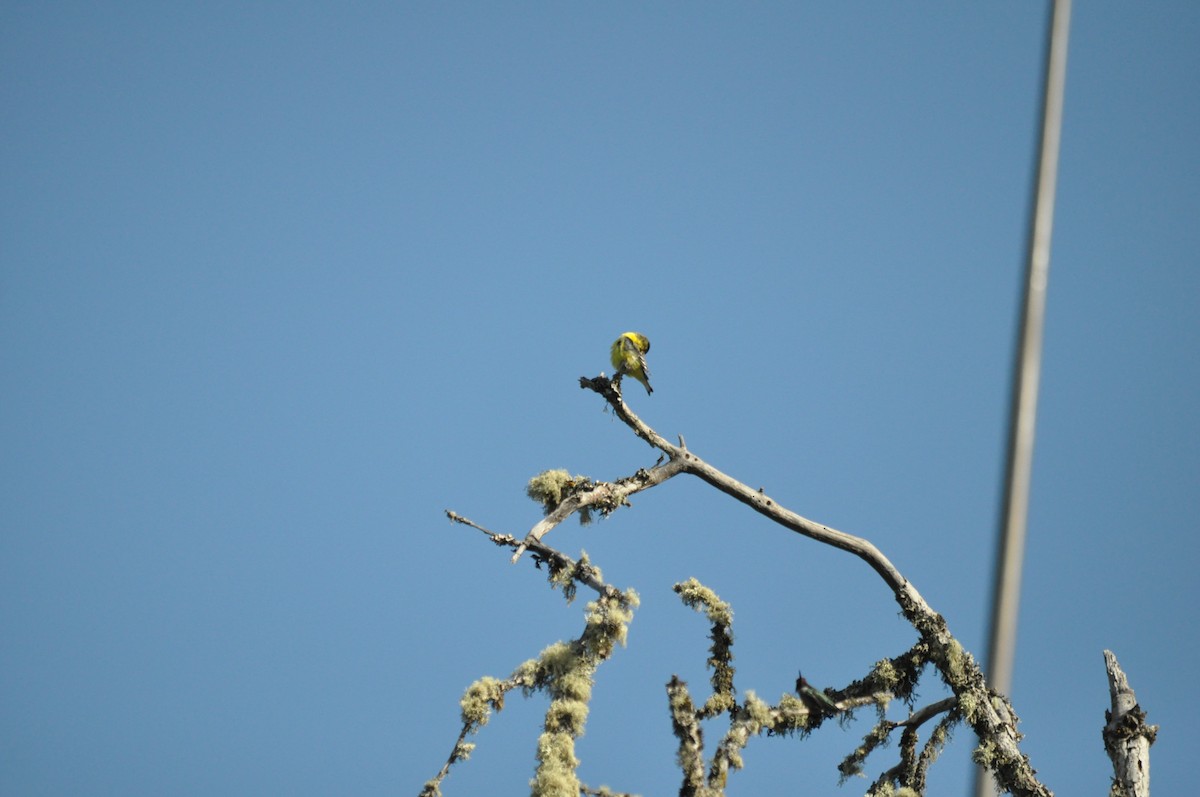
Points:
x=989, y=714
x=1127, y=737
x=918, y=718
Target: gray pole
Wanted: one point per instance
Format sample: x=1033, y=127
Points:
x=1011, y=551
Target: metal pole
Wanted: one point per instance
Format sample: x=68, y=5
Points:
x=1010, y=554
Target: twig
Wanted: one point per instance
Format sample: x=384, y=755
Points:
x=584, y=574
x=918, y=718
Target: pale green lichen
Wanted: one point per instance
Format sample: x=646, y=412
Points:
x=525, y=676
x=479, y=700
x=887, y=675
x=969, y=707
x=720, y=614
x=585, y=567
x=565, y=671
x=550, y=487
x=696, y=595
x=556, y=767
x=562, y=577
x=575, y=685
x=567, y=716
x=940, y=735
x=793, y=716
x=718, y=703
x=957, y=661
x=679, y=700
x=607, y=625
x=877, y=737
x=985, y=754
x=462, y=751
x=555, y=661
x=566, y=576
x=757, y=710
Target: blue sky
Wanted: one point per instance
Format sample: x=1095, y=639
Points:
x=280, y=283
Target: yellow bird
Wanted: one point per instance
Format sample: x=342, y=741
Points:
x=629, y=357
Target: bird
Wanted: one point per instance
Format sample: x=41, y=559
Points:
x=815, y=699
x=629, y=357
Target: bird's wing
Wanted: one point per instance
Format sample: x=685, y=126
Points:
x=642, y=362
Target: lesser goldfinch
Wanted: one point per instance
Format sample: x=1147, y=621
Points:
x=629, y=357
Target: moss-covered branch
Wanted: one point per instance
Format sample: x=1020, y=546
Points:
x=720, y=659
x=564, y=671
